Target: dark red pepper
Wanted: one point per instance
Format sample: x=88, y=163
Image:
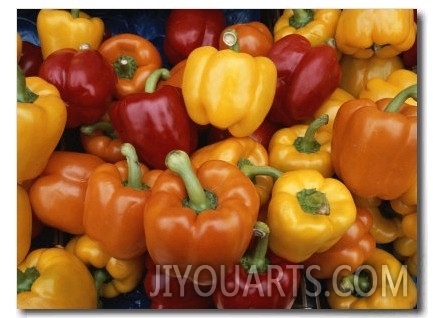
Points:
x=85, y=80
x=261, y=280
x=187, y=29
x=31, y=59
x=154, y=121
x=307, y=76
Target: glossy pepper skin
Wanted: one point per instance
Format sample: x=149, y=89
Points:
x=228, y=89
x=58, y=194
x=85, y=80
x=19, y=47
x=188, y=29
x=53, y=278
x=41, y=119
x=58, y=29
x=307, y=76
x=134, y=58
x=212, y=229
x=385, y=33
x=112, y=276
x=373, y=144
x=310, y=210
x=24, y=224
x=113, y=206
x=390, y=292
x=155, y=122
x=317, y=25
x=31, y=59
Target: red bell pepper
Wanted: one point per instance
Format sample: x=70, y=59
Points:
x=85, y=80
x=261, y=280
x=155, y=121
x=31, y=59
x=307, y=76
x=187, y=29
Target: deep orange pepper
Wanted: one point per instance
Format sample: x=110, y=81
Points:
x=176, y=76
x=134, y=58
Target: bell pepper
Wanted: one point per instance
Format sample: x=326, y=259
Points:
x=228, y=89
x=19, y=47
x=308, y=209
x=24, y=224
x=112, y=276
x=169, y=292
x=155, y=121
x=307, y=76
x=85, y=80
x=188, y=29
x=113, y=206
x=134, y=58
x=31, y=59
x=176, y=76
x=100, y=139
x=211, y=212
x=378, y=88
x=382, y=282
x=409, y=225
x=353, y=248
x=261, y=280
x=53, y=278
x=408, y=202
x=373, y=143
x=253, y=37
x=385, y=33
x=41, y=119
x=409, y=57
x=302, y=147
x=59, y=29
x=57, y=195
x=317, y=25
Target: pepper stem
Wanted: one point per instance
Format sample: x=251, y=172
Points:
x=75, y=13
x=154, y=77
x=313, y=201
x=103, y=125
x=24, y=94
x=356, y=284
x=26, y=279
x=251, y=171
x=230, y=38
x=301, y=17
x=309, y=144
x=198, y=199
x=400, y=98
x=134, y=170
x=125, y=66
x=258, y=262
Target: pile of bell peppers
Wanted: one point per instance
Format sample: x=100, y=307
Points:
x=221, y=167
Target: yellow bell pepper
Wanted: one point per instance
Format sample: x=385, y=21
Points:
x=302, y=147
x=363, y=33
x=378, y=88
x=24, y=224
x=19, y=47
x=53, y=278
x=382, y=283
x=408, y=202
x=317, y=25
x=308, y=214
x=355, y=72
x=58, y=29
x=228, y=89
x=409, y=225
x=41, y=119
x=112, y=276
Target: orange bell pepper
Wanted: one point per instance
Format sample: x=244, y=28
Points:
x=57, y=195
x=19, y=47
x=200, y=221
x=176, y=76
x=134, y=58
x=24, y=224
x=113, y=206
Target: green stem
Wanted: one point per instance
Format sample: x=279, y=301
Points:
x=313, y=201
x=134, y=169
x=100, y=276
x=230, y=38
x=75, y=13
x=26, y=279
x=105, y=126
x=400, y=98
x=258, y=262
x=125, y=66
x=24, y=94
x=354, y=283
x=308, y=143
x=198, y=199
x=301, y=17
x=251, y=171
x=154, y=77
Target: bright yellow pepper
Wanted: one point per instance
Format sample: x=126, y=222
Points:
x=383, y=283
x=24, y=224
x=228, y=89
x=41, y=119
x=363, y=33
x=112, y=276
x=302, y=147
x=19, y=47
x=317, y=25
x=53, y=278
x=378, y=88
x=307, y=214
x=408, y=202
x=58, y=29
